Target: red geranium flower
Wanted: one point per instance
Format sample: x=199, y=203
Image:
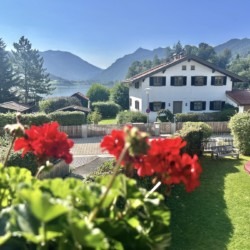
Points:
x=45, y=142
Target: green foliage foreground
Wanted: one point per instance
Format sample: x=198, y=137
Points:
x=54, y=214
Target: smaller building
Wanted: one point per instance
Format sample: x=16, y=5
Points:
x=83, y=99
x=240, y=99
x=14, y=107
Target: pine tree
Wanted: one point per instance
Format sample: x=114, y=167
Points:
x=34, y=81
x=8, y=80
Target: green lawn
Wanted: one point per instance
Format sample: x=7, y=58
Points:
x=107, y=121
x=216, y=216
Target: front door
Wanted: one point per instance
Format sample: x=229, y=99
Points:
x=177, y=107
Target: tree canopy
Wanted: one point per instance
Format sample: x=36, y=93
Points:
x=28, y=64
x=120, y=95
x=8, y=79
x=98, y=93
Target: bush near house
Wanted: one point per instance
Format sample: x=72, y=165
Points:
x=240, y=129
x=50, y=105
x=68, y=118
x=106, y=109
x=194, y=133
x=131, y=117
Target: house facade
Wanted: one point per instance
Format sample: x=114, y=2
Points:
x=184, y=85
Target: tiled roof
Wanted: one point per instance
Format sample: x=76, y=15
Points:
x=75, y=108
x=15, y=106
x=81, y=95
x=164, y=66
x=241, y=97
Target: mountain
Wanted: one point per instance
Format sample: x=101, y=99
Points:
x=68, y=66
x=237, y=46
x=119, y=69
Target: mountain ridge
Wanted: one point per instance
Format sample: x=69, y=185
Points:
x=71, y=67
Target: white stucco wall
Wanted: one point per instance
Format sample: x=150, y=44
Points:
x=186, y=94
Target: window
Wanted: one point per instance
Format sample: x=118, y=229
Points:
x=198, y=105
x=216, y=105
x=199, y=80
x=130, y=102
x=156, y=106
x=184, y=67
x=219, y=80
x=157, y=81
x=178, y=80
x=192, y=67
x=137, y=105
x=137, y=85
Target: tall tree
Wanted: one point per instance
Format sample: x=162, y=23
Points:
x=34, y=81
x=98, y=93
x=8, y=80
x=120, y=95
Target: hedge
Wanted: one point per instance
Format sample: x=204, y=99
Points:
x=131, y=117
x=106, y=109
x=66, y=118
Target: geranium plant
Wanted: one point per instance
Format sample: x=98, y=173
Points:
x=112, y=213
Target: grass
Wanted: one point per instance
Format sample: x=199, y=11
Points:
x=217, y=215
x=108, y=121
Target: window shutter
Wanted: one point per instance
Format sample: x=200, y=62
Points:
x=172, y=80
x=163, y=81
x=212, y=80
x=203, y=105
x=224, y=80
x=191, y=105
x=151, y=81
x=211, y=106
x=193, y=80
x=184, y=80
x=151, y=106
x=163, y=105
x=222, y=105
x=205, y=80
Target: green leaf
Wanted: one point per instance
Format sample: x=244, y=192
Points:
x=43, y=206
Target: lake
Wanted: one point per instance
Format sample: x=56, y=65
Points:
x=68, y=90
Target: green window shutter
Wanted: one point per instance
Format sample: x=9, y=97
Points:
x=203, y=105
x=172, y=80
x=151, y=81
x=192, y=80
x=211, y=106
x=223, y=104
x=212, y=80
x=163, y=81
x=151, y=106
x=163, y=105
x=205, y=80
x=191, y=105
x=224, y=80
x=184, y=80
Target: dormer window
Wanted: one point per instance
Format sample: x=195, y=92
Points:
x=184, y=67
x=157, y=81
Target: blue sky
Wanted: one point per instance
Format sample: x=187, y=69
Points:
x=101, y=31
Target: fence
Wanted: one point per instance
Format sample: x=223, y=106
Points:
x=92, y=130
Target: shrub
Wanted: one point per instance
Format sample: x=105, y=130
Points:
x=98, y=93
x=164, y=115
x=106, y=109
x=51, y=105
x=35, y=119
x=68, y=118
x=94, y=117
x=190, y=117
x=131, y=117
x=240, y=129
x=194, y=133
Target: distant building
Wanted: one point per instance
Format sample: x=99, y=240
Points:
x=12, y=106
x=185, y=84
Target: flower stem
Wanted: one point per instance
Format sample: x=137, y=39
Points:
x=153, y=189
x=94, y=213
x=8, y=152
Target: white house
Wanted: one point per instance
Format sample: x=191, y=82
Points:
x=186, y=84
